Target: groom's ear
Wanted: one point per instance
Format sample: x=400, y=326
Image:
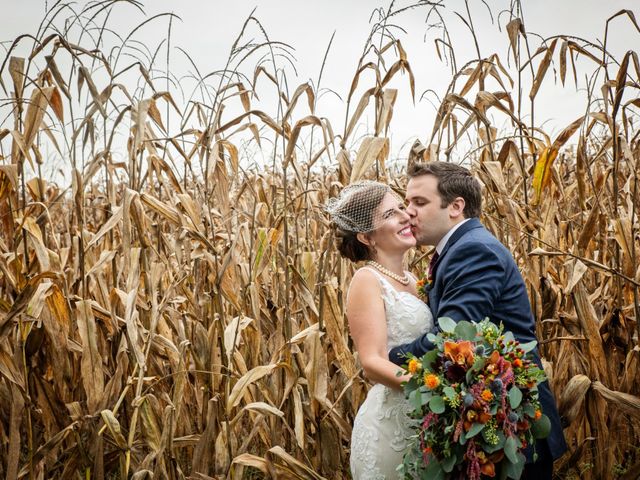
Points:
x=456, y=208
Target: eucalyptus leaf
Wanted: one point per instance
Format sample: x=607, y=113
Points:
x=475, y=429
x=428, y=359
x=529, y=409
x=541, y=428
x=478, y=364
x=433, y=471
x=436, y=404
x=415, y=399
x=466, y=330
x=511, y=449
x=514, y=469
x=448, y=463
x=449, y=392
x=515, y=397
x=447, y=324
x=527, y=347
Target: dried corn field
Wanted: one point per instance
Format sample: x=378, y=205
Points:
x=175, y=311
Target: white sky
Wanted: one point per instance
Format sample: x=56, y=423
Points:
x=207, y=29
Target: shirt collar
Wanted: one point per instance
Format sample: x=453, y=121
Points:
x=446, y=238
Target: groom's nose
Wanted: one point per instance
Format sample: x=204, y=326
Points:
x=410, y=210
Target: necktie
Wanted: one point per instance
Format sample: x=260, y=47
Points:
x=432, y=264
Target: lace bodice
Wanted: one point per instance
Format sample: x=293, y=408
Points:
x=407, y=316
x=382, y=425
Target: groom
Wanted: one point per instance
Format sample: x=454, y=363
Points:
x=473, y=276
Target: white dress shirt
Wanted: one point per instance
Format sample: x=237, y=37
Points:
x=446, y=238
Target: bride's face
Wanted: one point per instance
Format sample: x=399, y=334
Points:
x=393, y=230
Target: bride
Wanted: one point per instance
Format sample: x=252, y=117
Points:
x=383, y=311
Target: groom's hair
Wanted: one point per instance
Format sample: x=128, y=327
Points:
x=453, y=181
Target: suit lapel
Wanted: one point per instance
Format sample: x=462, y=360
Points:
x=434, y=291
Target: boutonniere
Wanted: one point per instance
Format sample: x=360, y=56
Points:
x=423, y=285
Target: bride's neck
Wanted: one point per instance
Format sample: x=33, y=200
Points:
x=395, y=263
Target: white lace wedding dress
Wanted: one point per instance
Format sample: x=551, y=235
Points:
x=381, y=426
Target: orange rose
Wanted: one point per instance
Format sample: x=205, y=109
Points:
x=494, y=357
x=431, y=381
x=488, y=469
x=486, y=395
x=413, y=366
x=460, y=352
x=492, y=362
x=484, y=417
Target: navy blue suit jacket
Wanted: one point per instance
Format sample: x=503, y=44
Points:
x=476, y=277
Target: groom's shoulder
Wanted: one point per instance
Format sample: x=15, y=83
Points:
x=477, y=233
x=482, y=238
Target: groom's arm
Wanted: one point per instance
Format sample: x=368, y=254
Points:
x=418, y=347
x=472, y=281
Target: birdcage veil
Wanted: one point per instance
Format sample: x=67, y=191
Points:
x=355, y=208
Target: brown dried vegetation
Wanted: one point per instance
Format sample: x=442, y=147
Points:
x=177, y=315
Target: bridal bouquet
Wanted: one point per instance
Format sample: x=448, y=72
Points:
x=475, y=402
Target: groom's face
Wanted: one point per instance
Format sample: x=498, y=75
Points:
x=430, y=221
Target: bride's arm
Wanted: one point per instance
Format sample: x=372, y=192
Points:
x=368, y=326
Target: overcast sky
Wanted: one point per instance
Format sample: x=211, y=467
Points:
x=206, y=30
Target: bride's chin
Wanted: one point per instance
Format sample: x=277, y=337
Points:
x=408, y=247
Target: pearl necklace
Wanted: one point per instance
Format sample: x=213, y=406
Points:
x=403, y=280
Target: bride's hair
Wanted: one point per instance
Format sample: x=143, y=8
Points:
x=353, y=212
x=350, y=247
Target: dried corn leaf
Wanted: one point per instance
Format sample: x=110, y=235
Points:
x=249, y=460
x=91, y=362
x=372, y=149
x=241, y=386
x=542, y=69
x=114, y=428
